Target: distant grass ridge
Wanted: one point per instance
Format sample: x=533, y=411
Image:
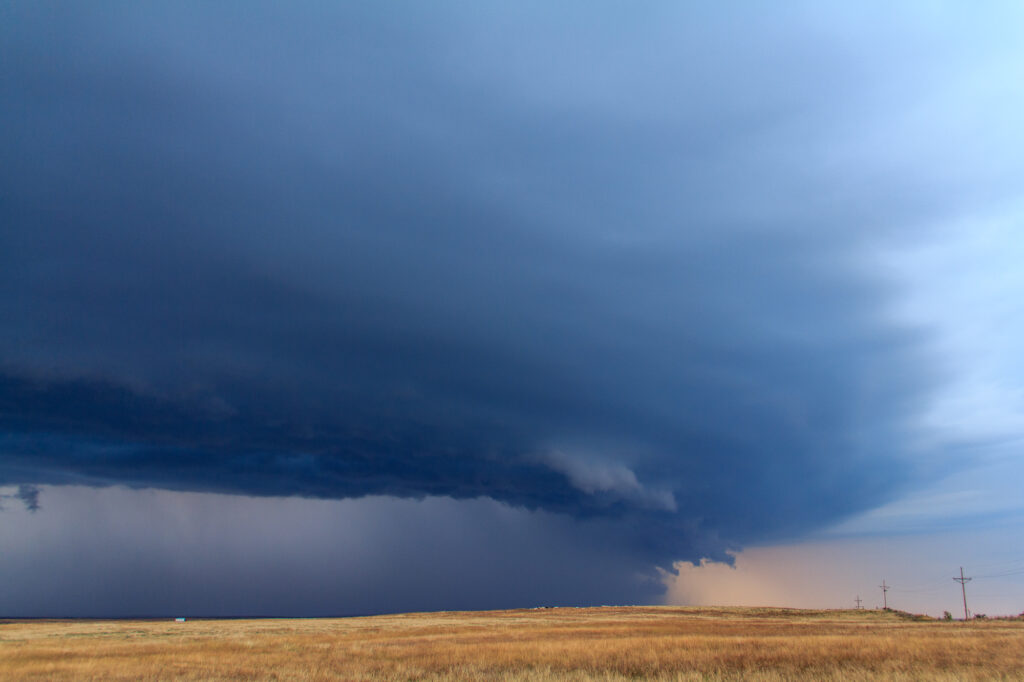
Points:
x=564, y=644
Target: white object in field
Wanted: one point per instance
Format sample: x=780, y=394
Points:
x=179, y=620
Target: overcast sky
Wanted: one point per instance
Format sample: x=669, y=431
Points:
x=323, y=308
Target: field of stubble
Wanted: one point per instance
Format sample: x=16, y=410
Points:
x=610, y=643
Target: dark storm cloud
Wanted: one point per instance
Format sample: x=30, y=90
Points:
x=593, y=262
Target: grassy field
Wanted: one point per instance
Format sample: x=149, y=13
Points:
x=610, y=643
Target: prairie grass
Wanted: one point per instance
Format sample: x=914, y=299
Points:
x=565, y=644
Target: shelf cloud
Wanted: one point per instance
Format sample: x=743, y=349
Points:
x=603, y=263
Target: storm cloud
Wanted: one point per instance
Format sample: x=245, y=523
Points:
x=598, y=262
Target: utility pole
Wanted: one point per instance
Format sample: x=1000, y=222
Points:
x=963, y=588
x=885, y=601
x=858, y=600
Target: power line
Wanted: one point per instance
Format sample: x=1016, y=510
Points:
x=998, y=571
x=1005, y=564
x=1002, y=574
x=858, y=600
x=930, y=587
x=885, y=601
x=963, y=588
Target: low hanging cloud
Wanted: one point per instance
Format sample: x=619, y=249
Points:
x=340, y=252
x=602, y=478
x=28, y=495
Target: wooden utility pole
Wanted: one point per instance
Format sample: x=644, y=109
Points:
x=963, y=588
x=858, y=600
x=885, y=600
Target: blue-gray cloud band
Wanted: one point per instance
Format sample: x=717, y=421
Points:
x=354, y=253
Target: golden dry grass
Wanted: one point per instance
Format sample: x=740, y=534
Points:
x=611, y=643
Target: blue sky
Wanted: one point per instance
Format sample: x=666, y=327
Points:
x=502, y=305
